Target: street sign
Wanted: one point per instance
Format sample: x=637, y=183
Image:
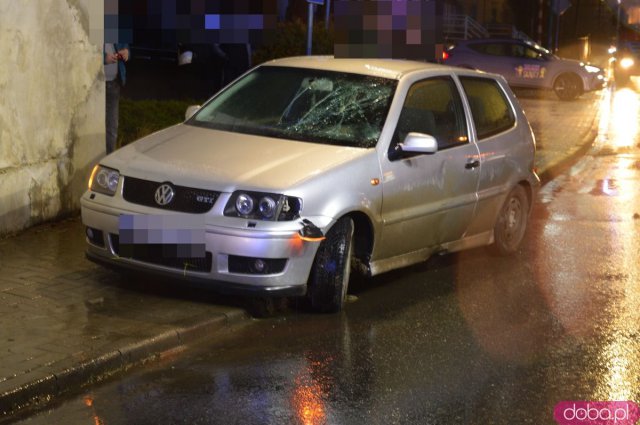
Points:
x=318, y=2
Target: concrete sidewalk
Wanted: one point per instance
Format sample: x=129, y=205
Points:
x=66, y=323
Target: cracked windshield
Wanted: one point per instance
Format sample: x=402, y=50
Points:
x=307, y=105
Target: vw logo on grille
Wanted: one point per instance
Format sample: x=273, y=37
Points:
x=164, y=194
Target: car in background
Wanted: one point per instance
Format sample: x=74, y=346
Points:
x=627, y=63
x=307, y=167
x=525, y=64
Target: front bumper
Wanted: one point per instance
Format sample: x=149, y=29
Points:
x=227, y=244
x=595, y=81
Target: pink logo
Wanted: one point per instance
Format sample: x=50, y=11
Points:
x=596, y=413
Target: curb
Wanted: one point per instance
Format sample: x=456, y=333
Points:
x=550, y=173
x=584, y=145
x=77, y=376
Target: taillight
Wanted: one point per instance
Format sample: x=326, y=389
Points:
x=445, y=55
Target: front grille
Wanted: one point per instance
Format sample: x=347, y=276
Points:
x=167, y=255
x=185, y=199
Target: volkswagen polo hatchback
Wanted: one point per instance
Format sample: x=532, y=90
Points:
x=307, y=168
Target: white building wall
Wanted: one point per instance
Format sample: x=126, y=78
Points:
x=51, y=106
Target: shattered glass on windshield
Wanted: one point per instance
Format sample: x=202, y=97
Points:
x=303, y=104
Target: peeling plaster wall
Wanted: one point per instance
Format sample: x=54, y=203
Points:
x=51, y=107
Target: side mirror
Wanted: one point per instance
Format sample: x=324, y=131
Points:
x=190, y=111
x=419, y=143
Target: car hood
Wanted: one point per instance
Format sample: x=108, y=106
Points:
x=200, y=157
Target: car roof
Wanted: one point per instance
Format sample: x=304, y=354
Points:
x=384, y=68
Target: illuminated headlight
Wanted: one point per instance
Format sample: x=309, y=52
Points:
x=263, y=206
x=592, y=69
x=104, y=180
x=626, y=63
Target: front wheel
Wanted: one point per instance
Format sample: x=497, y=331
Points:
x=511, y=223
x=567, y=86
x=329, y=278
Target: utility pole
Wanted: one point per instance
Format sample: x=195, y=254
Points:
x=540, y=19
x=550, y=26
x=326, y=15
x=618, y=27
x=311, y=5
x=309, y=28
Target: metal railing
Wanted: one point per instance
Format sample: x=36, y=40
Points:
x=508, y=31
x=462, y=27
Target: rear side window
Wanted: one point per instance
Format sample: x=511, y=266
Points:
x=521, y=51
x=490, y=109
x=494, y=49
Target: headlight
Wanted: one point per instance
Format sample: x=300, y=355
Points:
x=267, y=207
x=592, y=69
x=104, y=180
x=244, y=204
x=626, y=63
x=263, y=206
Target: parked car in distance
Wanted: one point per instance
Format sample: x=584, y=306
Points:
x=627, y=62
x=306, y=168
x=527, y=65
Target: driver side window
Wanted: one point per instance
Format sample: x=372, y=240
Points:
x=432, y=107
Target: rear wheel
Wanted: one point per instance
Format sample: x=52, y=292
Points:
x=329, y=278
x=567, y=86
x=511, y=223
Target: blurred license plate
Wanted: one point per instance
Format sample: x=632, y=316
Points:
x=166, y=236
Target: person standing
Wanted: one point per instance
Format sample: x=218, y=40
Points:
x=115, y=56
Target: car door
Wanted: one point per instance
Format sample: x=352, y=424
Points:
x=529, y=68
x=497, y=139
x=429, y=199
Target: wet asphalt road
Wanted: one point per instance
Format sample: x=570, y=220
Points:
x=464, y=339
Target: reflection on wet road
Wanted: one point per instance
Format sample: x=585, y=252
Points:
x=598, y=301
x=465, y=339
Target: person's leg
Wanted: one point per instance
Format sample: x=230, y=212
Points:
x=111, y=109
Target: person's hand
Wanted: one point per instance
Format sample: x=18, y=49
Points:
x=111, y=58
x=123, y=54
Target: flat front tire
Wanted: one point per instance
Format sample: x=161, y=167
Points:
x=511, y=224
x=329, y=278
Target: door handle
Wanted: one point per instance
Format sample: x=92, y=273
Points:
x=472, y=164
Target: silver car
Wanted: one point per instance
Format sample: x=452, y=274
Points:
x=307, y=168
x=528, y=65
